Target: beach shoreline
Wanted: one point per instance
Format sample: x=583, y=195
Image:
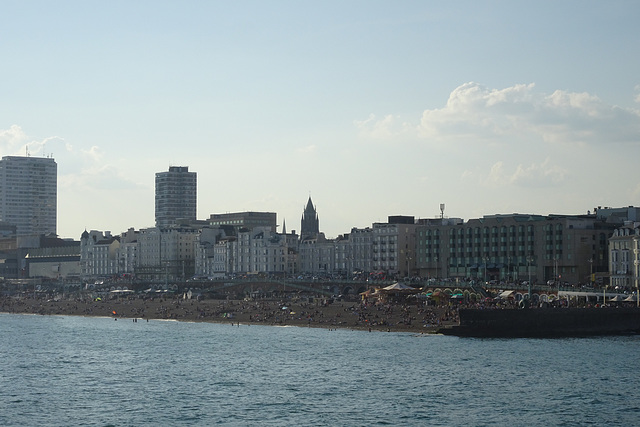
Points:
x=354, y=315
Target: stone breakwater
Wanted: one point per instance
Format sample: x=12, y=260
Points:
x=341, y=314
x=547, y=322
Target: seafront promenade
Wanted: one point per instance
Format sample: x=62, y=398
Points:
x=318, y=312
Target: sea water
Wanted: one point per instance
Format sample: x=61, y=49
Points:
x=64, y=371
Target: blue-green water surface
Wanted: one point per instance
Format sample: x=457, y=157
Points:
x=64, y=371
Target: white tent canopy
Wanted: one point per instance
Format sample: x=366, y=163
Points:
x=397, y=287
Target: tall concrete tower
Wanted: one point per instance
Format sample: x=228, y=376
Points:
x=29, y=194
x=176, y=195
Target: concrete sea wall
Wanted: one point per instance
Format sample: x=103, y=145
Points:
x=551, y=322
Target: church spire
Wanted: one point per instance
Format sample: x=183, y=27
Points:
x=309, y=207
x=309, y=226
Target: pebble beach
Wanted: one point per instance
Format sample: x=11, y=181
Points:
x=417, y=318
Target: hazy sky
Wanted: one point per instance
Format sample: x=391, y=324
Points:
x=372, y=108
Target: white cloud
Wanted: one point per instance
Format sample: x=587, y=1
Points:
x=11, y=138
x=520, y=114
x=79, y=170
x=467, y=175
x=580, y=103
x=538, y=175
x=497, y=176
x=14, y=141
x=307, y=149
x=40, y=147
x=544, y=174
x=513, y=116
x=473, y=111
x=388, y=127
x=94, y=153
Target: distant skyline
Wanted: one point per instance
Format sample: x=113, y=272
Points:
x=372, y=108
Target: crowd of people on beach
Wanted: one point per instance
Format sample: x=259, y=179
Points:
x=311, y=312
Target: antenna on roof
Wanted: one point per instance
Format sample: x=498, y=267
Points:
x=441, y=210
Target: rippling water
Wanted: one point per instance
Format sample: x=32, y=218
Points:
x=100, y=372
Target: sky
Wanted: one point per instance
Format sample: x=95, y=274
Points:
x=371, y=108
